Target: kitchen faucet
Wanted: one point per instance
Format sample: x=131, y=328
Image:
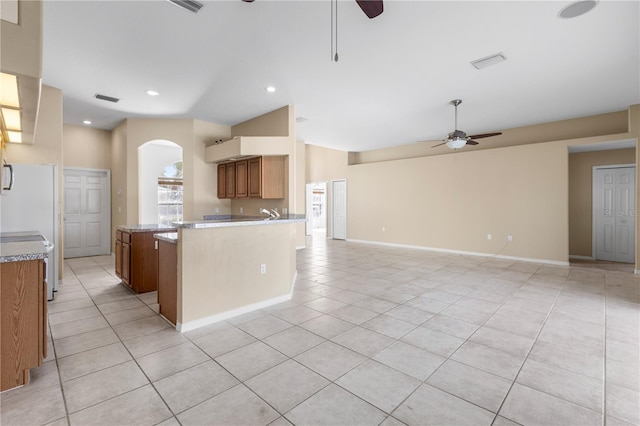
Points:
x=273, y=214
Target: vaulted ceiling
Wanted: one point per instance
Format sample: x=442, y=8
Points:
x=392, y=85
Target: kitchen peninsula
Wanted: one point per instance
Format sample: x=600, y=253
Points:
x=231, y=266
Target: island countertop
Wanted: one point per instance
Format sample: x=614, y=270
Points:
x=146, y=228
x=233, y=220
x=170, y=237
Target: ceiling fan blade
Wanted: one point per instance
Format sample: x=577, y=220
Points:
x=439, y=144
x=371, y=8
x=485, y=135
x=472, y=143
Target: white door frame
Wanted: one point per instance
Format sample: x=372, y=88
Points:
x=333, y=208
x=593, y=202
x=107, y=223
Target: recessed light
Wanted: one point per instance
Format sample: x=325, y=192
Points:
x=87, y=122
x=270, y=89
x=152, y=93
x=577, y=8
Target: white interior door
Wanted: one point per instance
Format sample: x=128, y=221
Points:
x=87, y=213
x=339, y=209
x=614, y=213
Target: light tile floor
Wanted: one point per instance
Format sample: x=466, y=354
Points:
x=373, y=335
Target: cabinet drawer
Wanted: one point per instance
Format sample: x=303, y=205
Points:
x=118, y=235
x=126, y=237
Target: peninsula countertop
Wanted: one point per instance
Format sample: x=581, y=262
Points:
x=147, y=228
x=237, y=220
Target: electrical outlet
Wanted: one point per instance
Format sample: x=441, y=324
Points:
x=284, y=210
x=217, y=209
x=509, y=237
x=241, y=210
x=488, y=236
x=263, y=268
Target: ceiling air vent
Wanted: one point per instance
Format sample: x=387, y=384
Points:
x=488, y=61
x=190, y=5
x=106, y=98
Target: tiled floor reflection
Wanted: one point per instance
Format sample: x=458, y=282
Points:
x=373, y=335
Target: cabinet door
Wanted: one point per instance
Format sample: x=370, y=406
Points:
x=255, y=177
x=126, y=263
x=168, y=280
x=242, y=190
x=273, y=177
x=222, y=180
x=119, y=254
x=230, y=187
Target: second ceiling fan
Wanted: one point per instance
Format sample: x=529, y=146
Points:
x=371, y=8
x=458, y=139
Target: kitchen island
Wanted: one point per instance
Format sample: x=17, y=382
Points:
x=232, y=266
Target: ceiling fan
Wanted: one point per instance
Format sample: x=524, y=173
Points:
x=458, y=139
x=371, y=8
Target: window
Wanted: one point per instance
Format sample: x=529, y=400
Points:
x=169, y=200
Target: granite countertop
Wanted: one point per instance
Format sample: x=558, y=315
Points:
x=16, y=252
x=234, y=220
x=146, y=228
x=170, y=237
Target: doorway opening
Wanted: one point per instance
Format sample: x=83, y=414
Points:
x=602, y=187
x=316, y=201
x=157, y=195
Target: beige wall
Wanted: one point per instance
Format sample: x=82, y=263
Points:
x=453, y=202
x=205, y=176
x=86, y=147
x=325, y=165
x=274, y=123
x=46, y=149
x=581, y=191
x=219, y=268
x=118, y=179
x=21, y=45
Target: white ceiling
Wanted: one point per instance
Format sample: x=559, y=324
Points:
x=391, y=86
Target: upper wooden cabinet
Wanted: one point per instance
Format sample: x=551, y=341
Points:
x=266, y=177
x=242, y=187
x=230, y=179
x=222, y=181
x=258, y=177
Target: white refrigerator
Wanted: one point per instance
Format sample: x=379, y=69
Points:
x=32, y=205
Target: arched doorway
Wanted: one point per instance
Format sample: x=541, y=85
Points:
x=156, y=159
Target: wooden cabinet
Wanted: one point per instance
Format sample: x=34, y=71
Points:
x=23, y=320
x=222, y=181
x=168, y=280
x=242, y=186
x=266, y=177
x=230, y=180
x=258, y=177
x=138, y=263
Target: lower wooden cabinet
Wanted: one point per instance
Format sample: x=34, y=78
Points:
x=23, y=320
x=137, y=265
x=168, y=280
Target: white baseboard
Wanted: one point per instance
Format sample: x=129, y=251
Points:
x=636, y=271
x=192, y=325
x=466, y=253
x=575, y=256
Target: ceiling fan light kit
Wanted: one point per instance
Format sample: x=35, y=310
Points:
x=459, y=139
